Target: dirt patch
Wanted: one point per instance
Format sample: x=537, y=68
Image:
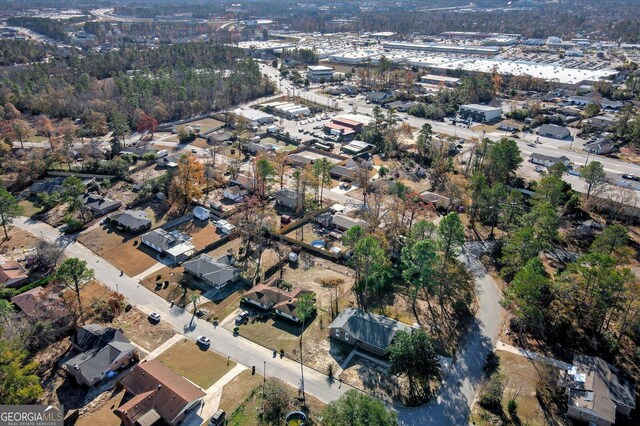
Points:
x=203, y=368
x=248, y=411
x=237, y=390
x=137, y=328
x=100, y=412
x=29, y=206
x=521, y=376
x=19, y=243
x=166, y=283
x=202, y=232
x=222, y=308
x=119, y=249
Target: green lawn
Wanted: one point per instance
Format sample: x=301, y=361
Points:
x=30, y=209
x=203, y=368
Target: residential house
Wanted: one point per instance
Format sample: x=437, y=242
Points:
x=225, y=227
x=174, y=244
x=40, y=304
x=158, y=396
x=98, y=205
x=553, y=131
x=48, y=186
x=344, y=222
x=268, y=297
x=12, y=274
x=132, y=221
x=298, y=160
x=510, y=126
x=364, y=330
x=547, y=160
x=401, y=106
x=603, y=122
x=255, y=148
x=234, y=193
x=597, y=391
x=170, y=162
x=103, y=351
x=356, y=147
x=435, y=199
x=379, y=97
x=201, y=213
x=243, y=181
x=216, y=273
x=600, y=147
x=219, y=137
x=287, y=198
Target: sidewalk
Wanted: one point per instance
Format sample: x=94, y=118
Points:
x=501, y=346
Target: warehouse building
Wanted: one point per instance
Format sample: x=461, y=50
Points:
x=480, y=113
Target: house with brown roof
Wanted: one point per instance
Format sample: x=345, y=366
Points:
x=597, y=391
x=157, y=395
x=269, y=297
x=12, y=275
x=40, y=304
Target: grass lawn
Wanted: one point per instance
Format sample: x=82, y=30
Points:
x=203, y=368
x=247, y=413
x=30, y=209
x=237, y=390
x=223, y=308
x=520, y=376
x=104, y=416
x=206, y=124
x=173, y=291
x=119, y=249
x=138, y=328
x=18, y=243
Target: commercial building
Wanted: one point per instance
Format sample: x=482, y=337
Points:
x=480, y=113
x=553, y=131
x=254, y=116
x=319, y=73
x=444, y=48
x=440, y=80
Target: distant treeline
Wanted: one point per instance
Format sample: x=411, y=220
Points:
x=54, y=28
x=169, y=82
x=14, y=52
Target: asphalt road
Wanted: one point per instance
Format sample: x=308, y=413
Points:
x=223, y=341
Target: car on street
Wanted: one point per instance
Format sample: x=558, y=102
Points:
x=345, y=185
x=154, y=317
x=630, y=177
x=203, y=341
x=242, y=317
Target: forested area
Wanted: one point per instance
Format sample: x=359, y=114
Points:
x=21, y=52
x=170, y=82
x=54, y=28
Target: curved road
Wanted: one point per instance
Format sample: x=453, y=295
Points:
x=462, y=381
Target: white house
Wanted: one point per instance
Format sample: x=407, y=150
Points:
x=234, y=193
x=201, y=213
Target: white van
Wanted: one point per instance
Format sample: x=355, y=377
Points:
x=162, y=153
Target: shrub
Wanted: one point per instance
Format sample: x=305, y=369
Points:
x=491, y=363
x=73, y=225
x=491, y=393
x=236, y=330
x=512, y=407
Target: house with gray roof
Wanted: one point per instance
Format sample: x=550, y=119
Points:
x=99, y=205
x=364, y=330
x=49, y=185
x=547, y=160
x=553, y=131
x=102, y=352
x=287, y=198
x=132, y=221
x=215, y=272
x=344, y=222
x=597, y=391
x=174, y=244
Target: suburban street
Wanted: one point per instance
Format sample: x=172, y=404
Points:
x=450, y=407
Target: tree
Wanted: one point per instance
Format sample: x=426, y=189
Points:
x=95, y=123
x=306, y=307
x=22, y=131
x=503, y=158
x=529, y=294
x=74, y=273
x=591, y=110
x=10, y=111
x=414, y=354
x=18, y=382
x=146, y=123
x=612, y=241
x=369, y=257
x=72, y=192
x=9, y=209
x=424, y=139
x=595, y=178
x=321, y=169
x=45, y=127
x=119, y=127
x=194, y=299
x=357, y=409
x=450, y=235
x=263, y=173
x=418, y=270
x=275, y=402
x=187, y=183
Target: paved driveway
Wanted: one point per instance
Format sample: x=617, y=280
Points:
x=457, y=393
